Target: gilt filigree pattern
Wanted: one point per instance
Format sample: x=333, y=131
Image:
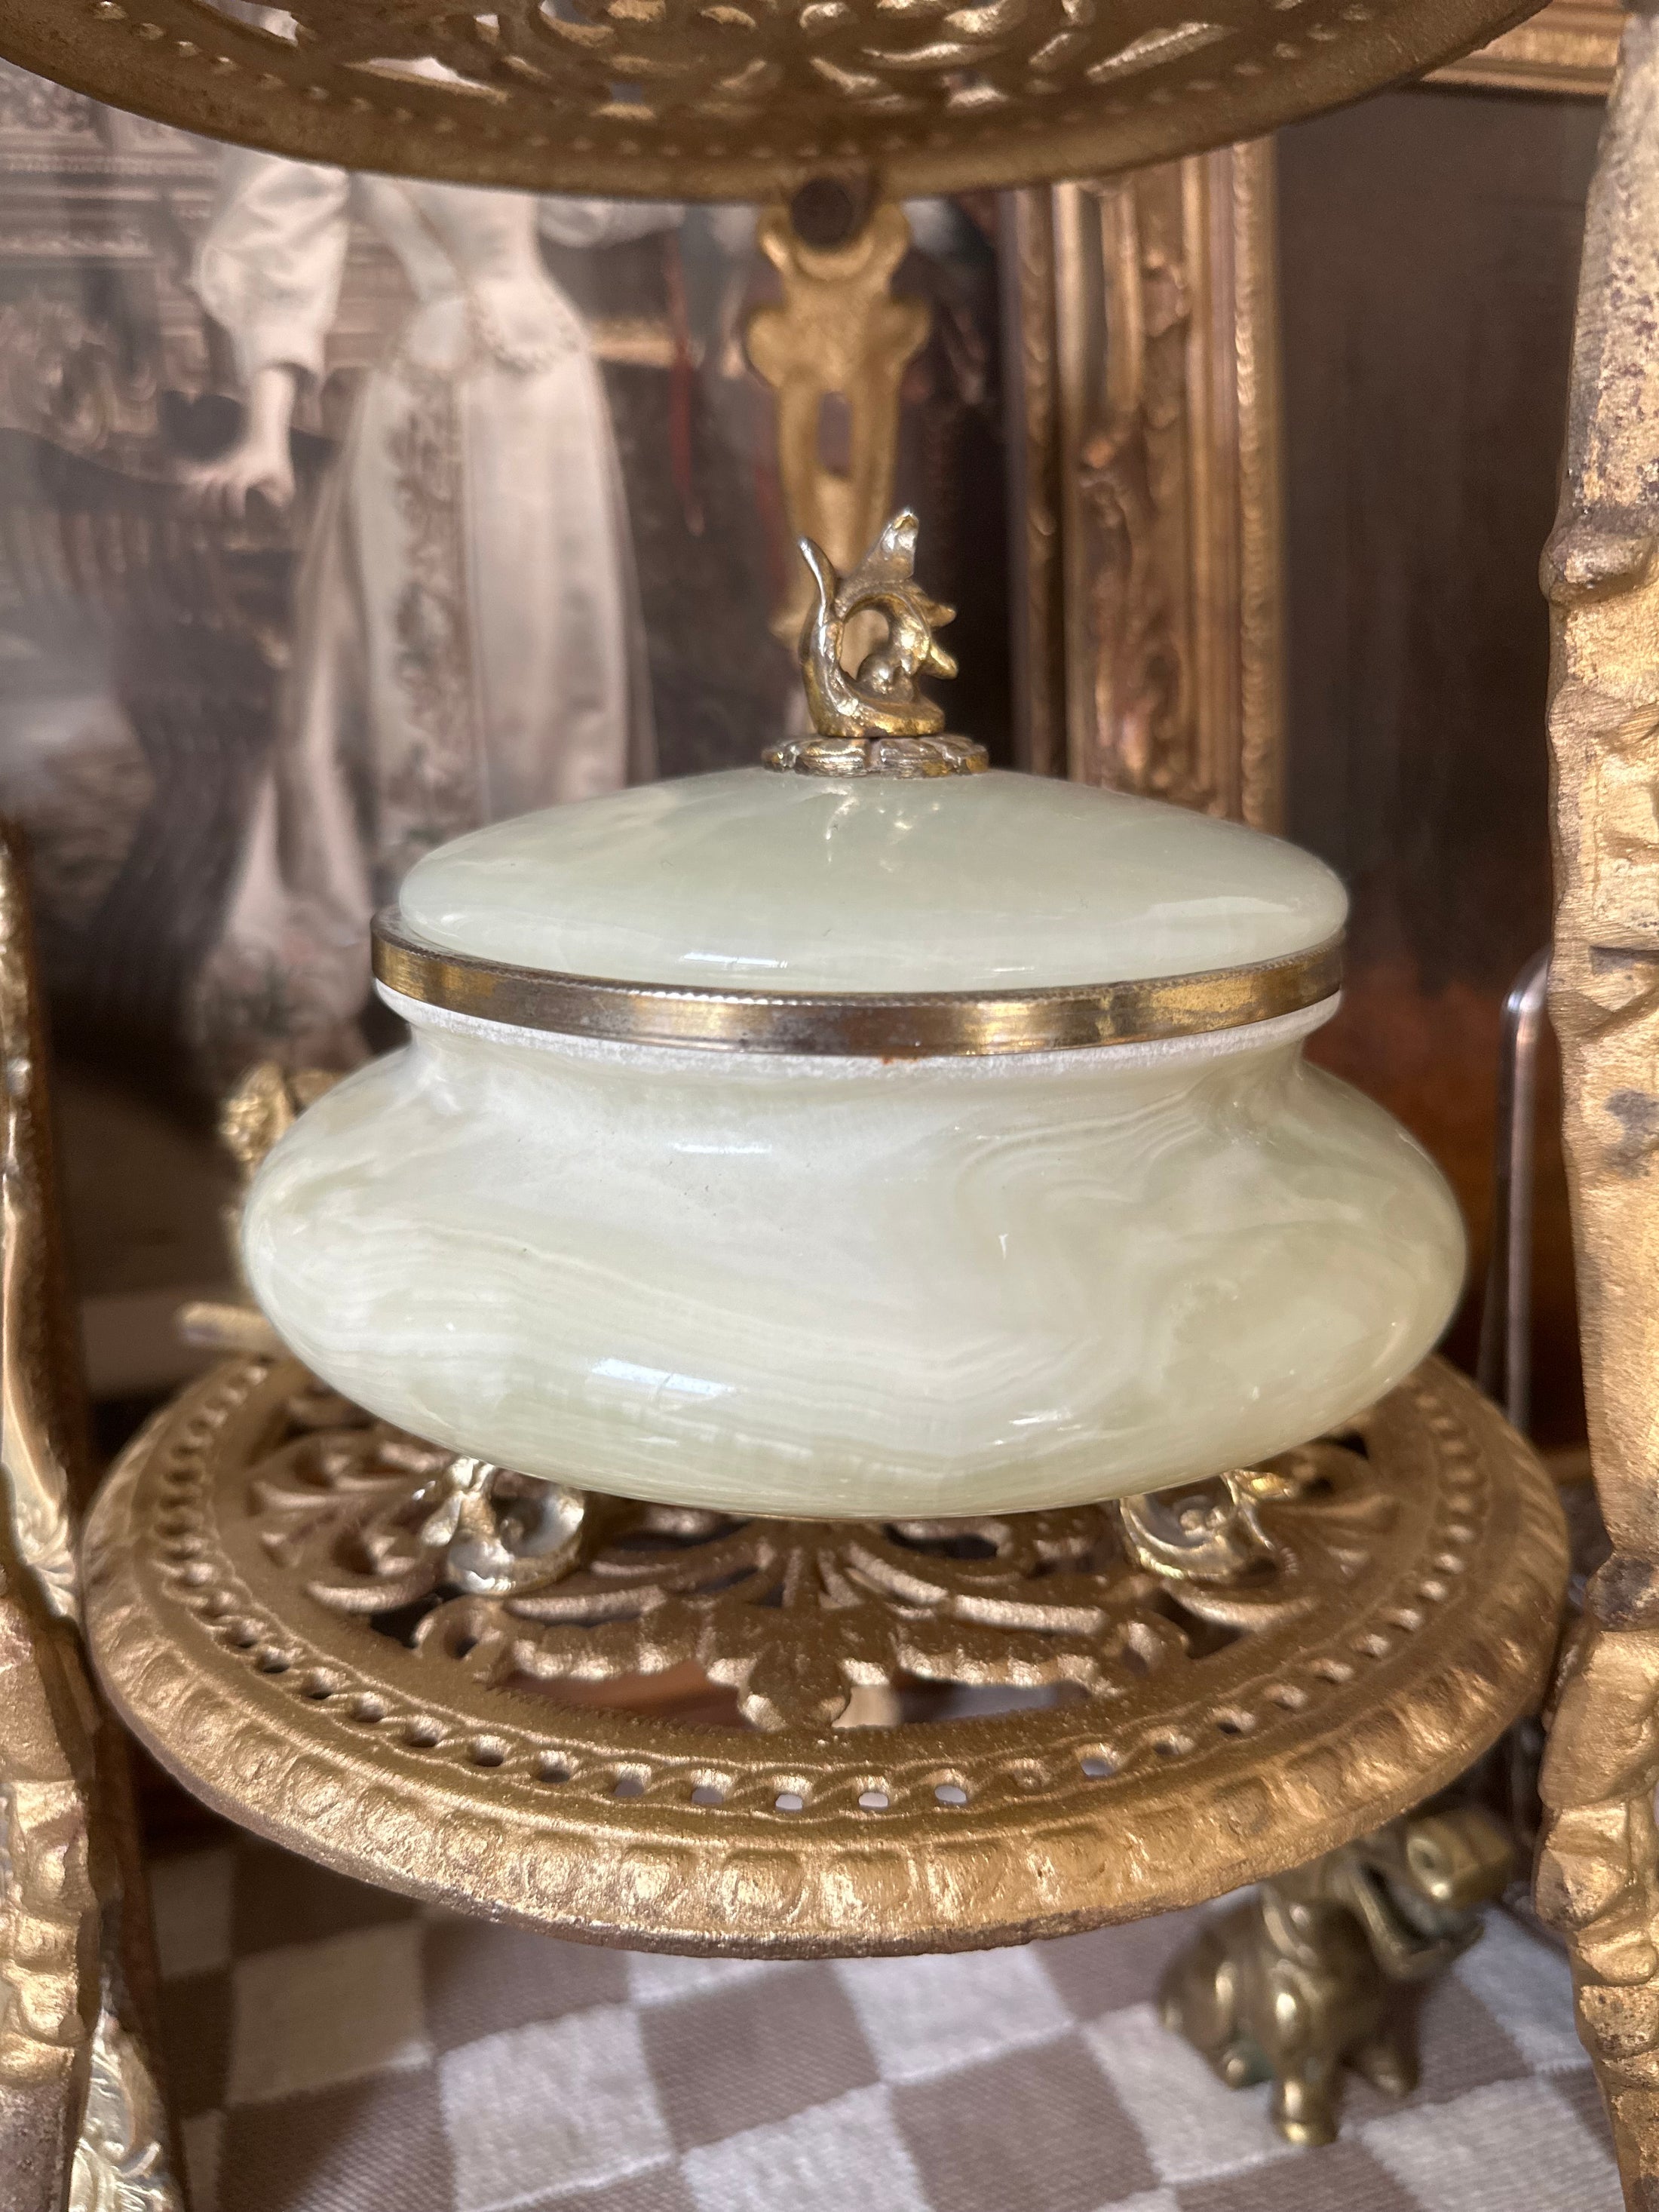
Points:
x=517, y=1580
x=274, y=1603
x=732, y=100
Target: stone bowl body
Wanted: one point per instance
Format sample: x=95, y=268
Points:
x=777, y=1284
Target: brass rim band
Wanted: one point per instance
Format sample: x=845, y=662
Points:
x=915, y=1026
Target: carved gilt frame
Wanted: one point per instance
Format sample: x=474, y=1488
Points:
x=1141, y=317
x=1148, y=621
x=1570, y=46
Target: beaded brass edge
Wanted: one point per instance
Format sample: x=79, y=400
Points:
x=912, y=1025
x=409, y=1768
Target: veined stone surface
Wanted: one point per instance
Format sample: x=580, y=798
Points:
x=754, y=881
x=828, y=1286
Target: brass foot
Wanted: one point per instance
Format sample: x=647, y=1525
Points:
x=1308, y=1977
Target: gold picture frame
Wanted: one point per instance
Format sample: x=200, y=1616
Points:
x=1147, y=604
x=1144, y=438
x=1569, y=46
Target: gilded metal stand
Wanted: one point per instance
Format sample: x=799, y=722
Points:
x=1598, y=1878
x=840, y=337
x=460, y=1684
x=83, y=2127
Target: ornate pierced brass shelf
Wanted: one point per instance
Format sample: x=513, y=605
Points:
x=726, y=103
x=451, y=1682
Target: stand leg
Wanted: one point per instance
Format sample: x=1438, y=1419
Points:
x=1598, y=1876
x=839, y=336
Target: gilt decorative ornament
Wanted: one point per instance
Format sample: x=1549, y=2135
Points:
x=877, y=722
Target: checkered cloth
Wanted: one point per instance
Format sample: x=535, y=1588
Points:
x=334, y=2049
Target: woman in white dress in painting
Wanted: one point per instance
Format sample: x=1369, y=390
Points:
x=468, y=638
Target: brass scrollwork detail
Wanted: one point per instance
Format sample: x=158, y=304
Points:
x=493, y=1547
x=522, y=1579
x=121, y=2157
x=572, y=1755
x=1213, y=1533
x=727, y=103
x=1094, y=1740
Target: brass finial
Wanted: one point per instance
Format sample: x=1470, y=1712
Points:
x=875, y=722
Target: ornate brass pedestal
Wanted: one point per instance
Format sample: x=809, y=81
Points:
x=455, y=1683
